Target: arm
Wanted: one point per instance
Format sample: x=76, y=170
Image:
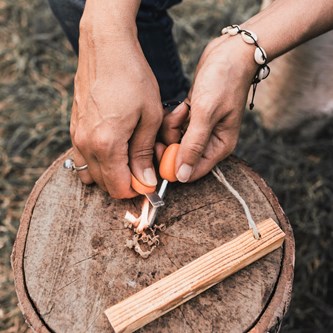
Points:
x=223, y=78
x=285, y=24
x=117, y=106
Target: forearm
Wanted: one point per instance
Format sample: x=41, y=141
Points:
x=108, y=34
x=287, y=23
x=110, y=18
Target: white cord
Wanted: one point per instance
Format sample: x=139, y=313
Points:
x=220, y=177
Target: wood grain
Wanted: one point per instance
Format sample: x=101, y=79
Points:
x=177, y=288
x=70, y=262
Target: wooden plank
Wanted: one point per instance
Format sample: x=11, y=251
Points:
x=194, y=278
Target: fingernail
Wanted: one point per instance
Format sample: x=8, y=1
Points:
x=178, y=108
x=149, y=177
x=188, y=105
x=184, y=173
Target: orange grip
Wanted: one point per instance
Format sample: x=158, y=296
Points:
x=141, y=188
x=168, y=163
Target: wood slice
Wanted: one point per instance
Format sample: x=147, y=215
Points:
x=71, y=264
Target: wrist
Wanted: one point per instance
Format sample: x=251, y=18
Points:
x=240, y=54
x=109, y=20
x=259, y=56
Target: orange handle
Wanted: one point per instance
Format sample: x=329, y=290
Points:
x=141, y=188
x=167, y=170
x=168, y=163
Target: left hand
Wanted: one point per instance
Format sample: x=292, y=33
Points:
x=217, y=97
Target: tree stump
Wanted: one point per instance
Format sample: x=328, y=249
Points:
x=70, y=261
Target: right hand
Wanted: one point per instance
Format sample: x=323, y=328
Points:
x=116, y=113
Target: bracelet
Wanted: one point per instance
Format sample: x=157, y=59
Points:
x=260, y=56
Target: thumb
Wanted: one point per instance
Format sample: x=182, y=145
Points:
x=141, y=148
x=192, y=146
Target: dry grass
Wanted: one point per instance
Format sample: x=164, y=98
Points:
x=37, y=68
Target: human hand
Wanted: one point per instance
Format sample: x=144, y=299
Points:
x=116, y=114
x=218, y=95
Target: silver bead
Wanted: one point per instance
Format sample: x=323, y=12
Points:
x=260, y=56
x=69, y=164
x=233, y=30
x=263, y=73
x=247, y=38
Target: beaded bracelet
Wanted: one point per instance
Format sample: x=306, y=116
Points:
x=260, y=56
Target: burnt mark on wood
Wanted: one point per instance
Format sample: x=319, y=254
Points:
x=97, y=242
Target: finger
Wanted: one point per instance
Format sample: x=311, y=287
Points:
x=193, y=144
x=187, y=101
x=141, y=147
x=79, y=160
x=171, y=129
x=221, y=144
x=159, y=149
x=115, y=174
x=82, y=153
x=111, y=154
x=93, y=173
x=118, y=181
x=218, y=148
x=106, y=155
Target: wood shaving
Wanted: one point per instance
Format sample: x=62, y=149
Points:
x=145, y=242
x=144, y=239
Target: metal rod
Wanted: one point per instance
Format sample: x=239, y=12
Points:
x=153, y=212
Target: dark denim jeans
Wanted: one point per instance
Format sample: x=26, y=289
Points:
x=155, y=36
